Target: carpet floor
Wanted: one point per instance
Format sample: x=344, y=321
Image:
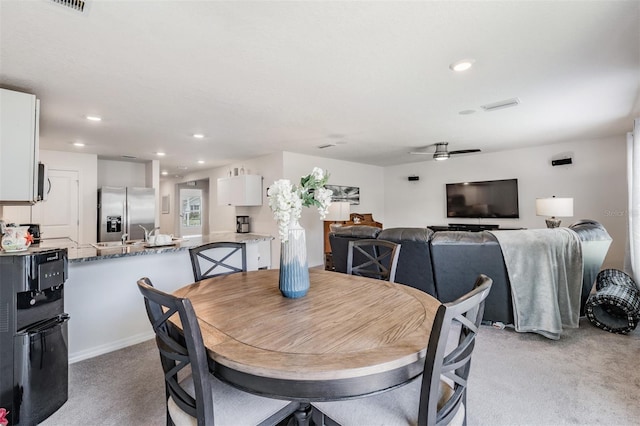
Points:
x=588, y=377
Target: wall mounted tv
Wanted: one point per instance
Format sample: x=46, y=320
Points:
x=487, y=199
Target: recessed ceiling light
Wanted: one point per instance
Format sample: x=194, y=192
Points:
x=93, y=118
x=164, y=173
x=198, y=135
x=160, y=154
x=78, y=144
x=462, y=65
x=200, y=161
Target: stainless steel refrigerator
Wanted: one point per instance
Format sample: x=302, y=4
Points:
x=121, y=210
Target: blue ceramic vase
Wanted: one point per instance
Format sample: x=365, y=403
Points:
x=294, y=269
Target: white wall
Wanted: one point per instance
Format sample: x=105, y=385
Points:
x=596, y=180
x=122, y=173
x=370, y=180
x=152, y=180
x=285, y=165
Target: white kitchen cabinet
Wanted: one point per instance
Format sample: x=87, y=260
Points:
x=258, y=255
x=244, y=190
x=19, y=138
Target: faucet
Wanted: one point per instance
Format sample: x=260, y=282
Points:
x=148, y=234
x=124, y=238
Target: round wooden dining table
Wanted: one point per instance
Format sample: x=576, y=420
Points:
x=349, y=336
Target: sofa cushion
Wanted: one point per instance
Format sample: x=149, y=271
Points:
x=459, y=257
x=414, y=262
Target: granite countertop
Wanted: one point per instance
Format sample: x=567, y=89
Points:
x=87, y=252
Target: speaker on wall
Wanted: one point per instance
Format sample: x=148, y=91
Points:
x=561, y=162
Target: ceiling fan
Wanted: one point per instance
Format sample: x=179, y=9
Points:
x=442, y=153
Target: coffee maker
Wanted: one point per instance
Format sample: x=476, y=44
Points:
x=242, y=224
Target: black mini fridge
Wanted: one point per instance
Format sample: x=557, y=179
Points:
x=34, y=354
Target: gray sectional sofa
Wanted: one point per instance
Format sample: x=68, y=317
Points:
x=445, y=264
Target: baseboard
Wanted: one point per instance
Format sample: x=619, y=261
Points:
x=110, y=347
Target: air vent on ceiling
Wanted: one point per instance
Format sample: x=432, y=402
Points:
x=77, y=5
x=129, y=157
x=501, y=104
x=329, y=145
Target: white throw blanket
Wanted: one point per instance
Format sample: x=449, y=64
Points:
x=545, y=271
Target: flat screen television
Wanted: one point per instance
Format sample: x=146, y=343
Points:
x=496, y=199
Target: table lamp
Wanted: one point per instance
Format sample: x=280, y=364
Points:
x=553, y=207
x=338, y=212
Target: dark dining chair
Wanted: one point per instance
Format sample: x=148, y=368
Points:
x=438, y=396
x=373, y=258
x=213, y=259
x=197, y=397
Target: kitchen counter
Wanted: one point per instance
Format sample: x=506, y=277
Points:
x=88, y=253
x=106, y=308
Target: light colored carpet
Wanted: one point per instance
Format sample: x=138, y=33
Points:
x=123, y=388
x=588, y=377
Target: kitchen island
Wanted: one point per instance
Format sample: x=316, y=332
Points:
x=101, y=296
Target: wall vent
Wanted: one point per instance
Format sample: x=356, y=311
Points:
x=77, y=5
x=4, y=318
x=501, y=104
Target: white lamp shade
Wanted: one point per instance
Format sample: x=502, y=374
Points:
x=554, y=207
x=338, y=212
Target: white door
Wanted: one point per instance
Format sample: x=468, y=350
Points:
x=58, y=215
x=190, y=212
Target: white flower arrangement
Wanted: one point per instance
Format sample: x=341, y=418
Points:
x=286, y=200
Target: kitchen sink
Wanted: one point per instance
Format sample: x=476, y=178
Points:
x=110, y=244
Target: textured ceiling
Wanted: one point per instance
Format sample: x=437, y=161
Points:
x=372, y=78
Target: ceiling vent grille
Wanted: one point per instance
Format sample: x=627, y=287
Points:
x=77, y=5
x=502, y=104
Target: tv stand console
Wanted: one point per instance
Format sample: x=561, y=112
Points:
x=469, y=227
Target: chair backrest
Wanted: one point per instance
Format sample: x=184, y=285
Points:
x=179, y=350
x=219, y=258
x=451, y=364
x=373, y=258
x=339, y=240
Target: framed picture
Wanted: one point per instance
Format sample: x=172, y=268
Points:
x=345, y=193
